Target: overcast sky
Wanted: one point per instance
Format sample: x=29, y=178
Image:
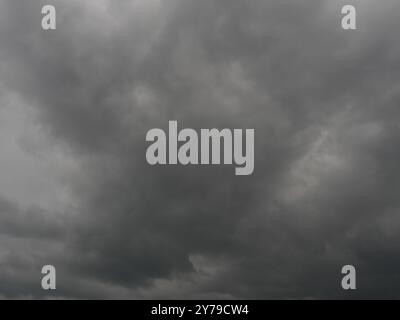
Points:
x=76, y=191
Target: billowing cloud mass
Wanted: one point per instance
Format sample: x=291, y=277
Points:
x=76, y=191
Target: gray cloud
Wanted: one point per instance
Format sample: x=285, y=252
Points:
x=324, y=105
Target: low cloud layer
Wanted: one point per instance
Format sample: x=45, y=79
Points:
x=76, y=104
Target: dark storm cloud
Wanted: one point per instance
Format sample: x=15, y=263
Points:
x=28, y=223
x=324, y=105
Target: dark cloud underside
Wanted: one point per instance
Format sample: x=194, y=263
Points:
x=324, y=104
